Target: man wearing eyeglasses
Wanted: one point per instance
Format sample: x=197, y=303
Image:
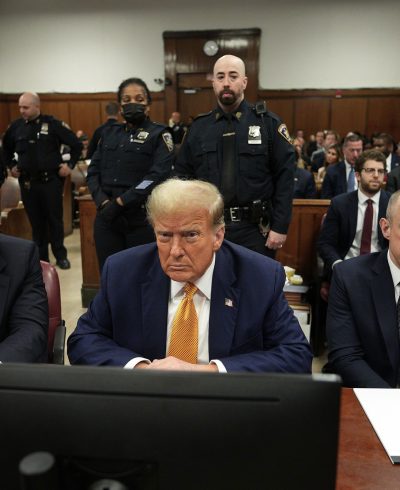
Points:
x=351, y=227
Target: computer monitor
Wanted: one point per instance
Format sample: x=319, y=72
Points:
x=170, y=430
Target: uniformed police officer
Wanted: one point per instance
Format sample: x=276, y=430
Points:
x=247, y=153
x=36, y=139
x=130, y=160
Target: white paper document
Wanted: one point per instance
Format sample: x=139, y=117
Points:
x=382, y=407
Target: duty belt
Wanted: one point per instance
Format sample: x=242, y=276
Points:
x=237, y=214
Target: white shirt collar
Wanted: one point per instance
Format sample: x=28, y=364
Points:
x=395, y=271
x=203, y=283
x=362, y=198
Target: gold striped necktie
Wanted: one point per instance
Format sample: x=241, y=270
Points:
x=184, y=334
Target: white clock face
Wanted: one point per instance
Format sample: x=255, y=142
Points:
x=210, y=48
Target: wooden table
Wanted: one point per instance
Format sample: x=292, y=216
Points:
x=362, y=460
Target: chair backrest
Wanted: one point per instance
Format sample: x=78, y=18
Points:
x=52, y=284
x=10, y=193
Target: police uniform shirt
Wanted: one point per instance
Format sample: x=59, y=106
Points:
x=264, y=158
x=128, y=163
x=37, y=144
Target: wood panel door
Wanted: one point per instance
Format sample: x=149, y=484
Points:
x=184, y=57
x=195, y=94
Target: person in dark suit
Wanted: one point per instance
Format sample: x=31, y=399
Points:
x=131, y=322
x=340, y=178
x=304, y=184
x=112, y=110
x=362, y=321
x=23, y=302
x=341, y=232
x=393, y=180
x=385, y=143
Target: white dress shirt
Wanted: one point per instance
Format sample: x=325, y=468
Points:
x=354, y=250
x=201, y=301
x=395, y=271
x=348, y=168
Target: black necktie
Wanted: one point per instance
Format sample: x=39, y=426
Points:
x=228, y=162
x=367, y=229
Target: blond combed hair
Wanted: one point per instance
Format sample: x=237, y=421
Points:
x=176, y=196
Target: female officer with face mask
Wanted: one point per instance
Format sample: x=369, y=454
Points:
x=130, y=160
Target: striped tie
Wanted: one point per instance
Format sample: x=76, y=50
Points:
x=184, y=335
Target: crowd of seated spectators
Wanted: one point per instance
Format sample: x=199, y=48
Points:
x=316, y=152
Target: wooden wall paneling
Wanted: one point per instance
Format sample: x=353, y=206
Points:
x=384, y=116
x=284, y=108
x=90, y=267
x=312, y=114
x=4, y=116
x=157, y=108
x=171, y=91
x=349, y=114
x=299, y=250
x=58, y=109
x=85, y=115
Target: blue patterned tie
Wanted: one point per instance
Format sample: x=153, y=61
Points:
x=351, y=181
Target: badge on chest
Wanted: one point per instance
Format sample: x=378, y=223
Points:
x=141, y=137
x=254, y=136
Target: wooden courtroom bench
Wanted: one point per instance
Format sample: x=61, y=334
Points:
x=298, y=252
x=14, y=220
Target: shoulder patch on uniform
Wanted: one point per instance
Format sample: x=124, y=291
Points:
x=167, y=137
x=283, y=131
x=65, y=125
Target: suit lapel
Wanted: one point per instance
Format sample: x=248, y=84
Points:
x=352, y=217
x=155, y=296
x=4, y=286
x=383, y=202
x=224, y=306
x=343, y=178
x=385, y=306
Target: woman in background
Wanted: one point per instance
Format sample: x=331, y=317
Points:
x=333, y=155
x=130, y=160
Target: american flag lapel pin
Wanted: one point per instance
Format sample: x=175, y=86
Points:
x=228, y=302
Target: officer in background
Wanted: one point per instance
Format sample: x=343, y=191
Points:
x=36, y=139
x=130, y=160
x=112, y=109
x=178, y=129
x=247, y=153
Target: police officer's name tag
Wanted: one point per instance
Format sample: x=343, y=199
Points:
x=141, y=137
x=254, y=137
x=44, y=129
x=144, y=184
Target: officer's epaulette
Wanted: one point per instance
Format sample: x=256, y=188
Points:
x=159, y=124
x=203, y=114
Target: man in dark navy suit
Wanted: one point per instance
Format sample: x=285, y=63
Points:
x=341, y=232
x=243, y=321
x=340, y=178
x=384, y=142
x=362, y=321
x=23, y=302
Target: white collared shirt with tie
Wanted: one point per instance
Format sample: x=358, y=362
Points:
x=354, y=250
x=201, y=300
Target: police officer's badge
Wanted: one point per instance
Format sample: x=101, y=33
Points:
x=44, y=128
x=141, y=137
x=283, y=131
x=168, y=141
x=254, y=137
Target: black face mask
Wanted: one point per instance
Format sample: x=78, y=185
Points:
x=134, y=113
